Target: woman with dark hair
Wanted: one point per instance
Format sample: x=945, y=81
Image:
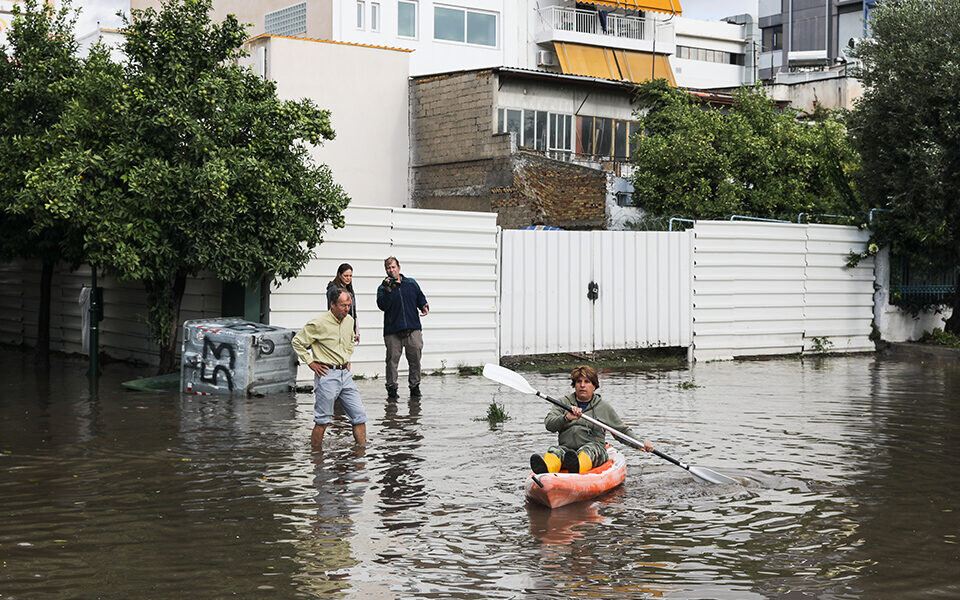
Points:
x=344, y=282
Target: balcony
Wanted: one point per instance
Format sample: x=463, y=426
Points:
x=561, y=24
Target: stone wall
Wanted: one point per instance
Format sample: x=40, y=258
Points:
x=559, y=194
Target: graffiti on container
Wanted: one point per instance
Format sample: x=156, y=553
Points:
x=217, y=351
x=251, y=327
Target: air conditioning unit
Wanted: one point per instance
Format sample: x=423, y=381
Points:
x=546, y=58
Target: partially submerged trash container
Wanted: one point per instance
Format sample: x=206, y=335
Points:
x=234, y=356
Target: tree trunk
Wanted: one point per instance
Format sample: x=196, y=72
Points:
x=170, y=294
x=43, y=318
x=953, y=323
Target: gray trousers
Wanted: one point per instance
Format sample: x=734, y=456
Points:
x=396, y=344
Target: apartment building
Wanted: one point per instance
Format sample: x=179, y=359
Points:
x=805, y=50
x=629, y=40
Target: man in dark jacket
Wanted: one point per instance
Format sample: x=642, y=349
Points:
x=402, y=303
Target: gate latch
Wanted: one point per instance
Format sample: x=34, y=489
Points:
x=593, y=291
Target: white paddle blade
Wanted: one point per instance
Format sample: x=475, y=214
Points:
x=507, y=377
x=709, y=476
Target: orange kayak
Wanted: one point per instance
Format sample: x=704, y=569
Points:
x=560, y=489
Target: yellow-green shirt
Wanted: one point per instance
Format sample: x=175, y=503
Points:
x=325, y=340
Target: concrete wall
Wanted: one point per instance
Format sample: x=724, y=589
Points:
x=365, y=90
x=829, y=90
x=895, y=324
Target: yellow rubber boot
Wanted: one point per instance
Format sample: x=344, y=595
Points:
x=585, y=463
x=553, y=462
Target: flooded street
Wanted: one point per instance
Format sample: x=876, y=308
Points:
x=850, y=474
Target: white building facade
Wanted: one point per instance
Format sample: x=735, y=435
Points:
x=631, y=40
x=365, y=90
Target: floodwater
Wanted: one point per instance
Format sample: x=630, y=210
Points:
x=849, y=471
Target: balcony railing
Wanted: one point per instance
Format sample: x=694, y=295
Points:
x=588, y=21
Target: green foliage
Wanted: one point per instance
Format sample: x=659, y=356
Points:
x=687, y=385
x=179, y=161
x=751, y=160
x=821, y=344
x=38, y=70
x=905, y=127
x=940, y=338
x=496, y=413
x=469, y=370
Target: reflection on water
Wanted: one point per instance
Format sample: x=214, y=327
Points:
x=848, y=476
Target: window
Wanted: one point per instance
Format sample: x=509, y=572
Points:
x=717, y=56
x=407, y=19
x=536, y=129
x=772, y=38
x=460, y=25
x=361, y=10
x=481, y=29
x=286, y=21
x=624, y=198
x=561, y=128
x=374, y=16
x=605, y=138
x=620, y=140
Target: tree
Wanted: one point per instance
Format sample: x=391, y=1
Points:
x=181, y=161
x=752, y=160
x=907, y=128
x=37, y=73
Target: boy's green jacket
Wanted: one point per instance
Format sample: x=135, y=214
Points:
x=574, y=434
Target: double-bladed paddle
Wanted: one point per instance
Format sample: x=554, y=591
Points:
x=517, y=382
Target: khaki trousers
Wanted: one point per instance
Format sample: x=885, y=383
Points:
x=396, y=344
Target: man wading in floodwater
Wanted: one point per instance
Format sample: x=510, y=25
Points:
x=325, y=344
x=580, y=443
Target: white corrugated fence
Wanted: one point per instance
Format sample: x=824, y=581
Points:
x=779, y=288
x=451, y=254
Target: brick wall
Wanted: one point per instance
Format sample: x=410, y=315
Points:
x=557, y=193
x=451, y=118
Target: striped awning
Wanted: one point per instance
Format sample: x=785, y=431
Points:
x=671, y=7
x=615, y=64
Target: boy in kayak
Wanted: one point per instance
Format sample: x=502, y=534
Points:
x=580, y=443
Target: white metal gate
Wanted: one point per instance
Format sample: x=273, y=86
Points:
x=641, y=281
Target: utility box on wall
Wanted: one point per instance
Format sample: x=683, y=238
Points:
x=234, y=356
